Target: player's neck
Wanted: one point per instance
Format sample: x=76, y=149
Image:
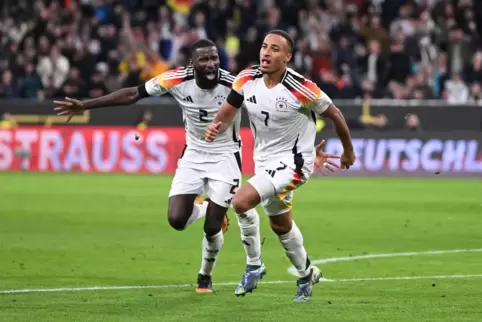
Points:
x=271, y=80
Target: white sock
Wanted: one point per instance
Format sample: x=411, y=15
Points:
x=249, y=227
x=294, y=249
x=198, y=211
x=211, y=248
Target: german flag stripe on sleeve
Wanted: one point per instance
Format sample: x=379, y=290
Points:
x=244, y=76
x=304, y=90
x=175, y=77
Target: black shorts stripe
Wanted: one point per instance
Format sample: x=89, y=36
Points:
x=183, y=151
x=298, y=158
x=237, y=155
x=235, y=137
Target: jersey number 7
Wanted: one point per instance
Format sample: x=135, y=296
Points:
x=266, y=117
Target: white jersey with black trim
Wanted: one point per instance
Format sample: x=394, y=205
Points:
x=199, y=107
x=282, y=118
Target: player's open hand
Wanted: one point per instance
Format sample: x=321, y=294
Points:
x=347, y=159
x=323, y=161
x=70, y=107
x=212, y=131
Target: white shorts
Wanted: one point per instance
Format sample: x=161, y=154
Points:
x=216, y=175
x=276, y=180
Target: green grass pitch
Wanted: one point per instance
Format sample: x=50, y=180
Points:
x=80, y=230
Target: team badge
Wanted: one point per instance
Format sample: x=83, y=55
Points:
x=281, y=104
x=219, y=99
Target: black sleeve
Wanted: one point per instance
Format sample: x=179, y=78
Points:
x=235, y=99
x=141, y=89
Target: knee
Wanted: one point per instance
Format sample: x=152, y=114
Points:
x=240, y=206
x=280, y=227
x=176, y=222
x=212, y=227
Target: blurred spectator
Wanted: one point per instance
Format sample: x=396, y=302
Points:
x=54, y=65
x=74, y=86
x=473, y=71
x=401, y=49
x=412, y=122
x=375, y=31
x=459, y=49
x=145, y=119
x=32, y=84
x=375, y=65
x=456, y=91
x=97, y=87
x=476, y=93
x=8, y=87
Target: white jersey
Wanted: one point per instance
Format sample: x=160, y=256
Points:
x=199, y=106
x=282, y=118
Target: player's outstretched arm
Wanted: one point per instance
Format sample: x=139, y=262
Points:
x=343, y=132
x=125, y=96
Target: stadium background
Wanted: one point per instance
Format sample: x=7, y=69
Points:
x=406, y=73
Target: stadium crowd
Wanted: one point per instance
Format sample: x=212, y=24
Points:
x=402, y=49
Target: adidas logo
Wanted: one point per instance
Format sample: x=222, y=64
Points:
x=188, y=99
x=252, y=99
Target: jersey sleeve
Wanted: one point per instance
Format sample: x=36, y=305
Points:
x=321, y=103
x=312, y=97
x=164, y=82
x=240, y=81
x=236, y=97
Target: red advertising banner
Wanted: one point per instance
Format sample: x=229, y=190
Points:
x=115, y=149
x=100, y=149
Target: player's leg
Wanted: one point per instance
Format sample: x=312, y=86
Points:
x=292, y=241
x=186, y=185
x=244, y=203
x=219, y=198
x=212, y=244
x=275, y=193
x=204, y=201
x=248, y=220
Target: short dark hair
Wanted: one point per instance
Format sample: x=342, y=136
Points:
x=201, y=43
x=285, y=35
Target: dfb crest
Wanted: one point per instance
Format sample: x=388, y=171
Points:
x=219, y=99
x=281, y=104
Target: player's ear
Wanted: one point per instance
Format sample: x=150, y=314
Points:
x=191, y=62
x=288, y=57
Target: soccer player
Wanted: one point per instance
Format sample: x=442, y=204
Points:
x=200, y=90
x=281, y=105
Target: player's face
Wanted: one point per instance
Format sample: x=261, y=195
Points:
x=206, y=62
x=274, y=54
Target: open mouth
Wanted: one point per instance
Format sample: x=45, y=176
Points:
x=210, y=74
x=265, y=62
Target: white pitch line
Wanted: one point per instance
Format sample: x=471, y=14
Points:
x=293, y=271
x=133, y=287
x=290, y=270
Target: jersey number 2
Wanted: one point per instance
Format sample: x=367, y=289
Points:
x=266, y=117
x=202, y=115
